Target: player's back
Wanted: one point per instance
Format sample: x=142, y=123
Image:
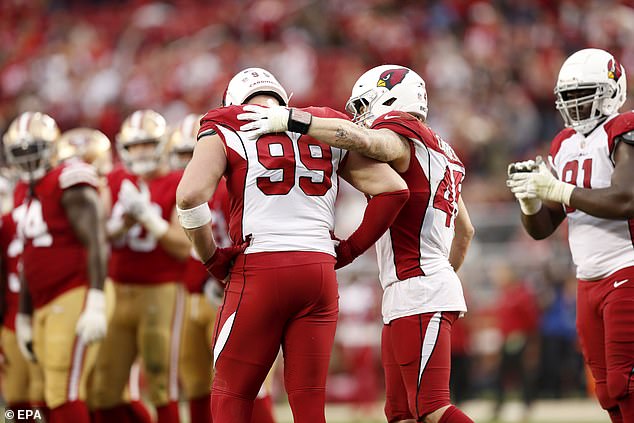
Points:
x=419, y=241
x=599, y=247
x=282, y=187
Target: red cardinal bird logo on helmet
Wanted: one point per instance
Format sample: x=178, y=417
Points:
x=614, y=69
x=391, y=77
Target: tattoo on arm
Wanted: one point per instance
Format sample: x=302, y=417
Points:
x=343, y=138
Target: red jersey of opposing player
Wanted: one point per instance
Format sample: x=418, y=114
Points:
x=137, y=256
x=11, y=246
x=195, y=274
x=54, y=259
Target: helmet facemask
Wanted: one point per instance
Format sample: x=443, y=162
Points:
x=32, y=159
x=581, y=105
x=142, y=162
x=361, y=108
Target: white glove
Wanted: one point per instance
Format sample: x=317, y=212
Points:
x=543, y=184
x=136, y=201
x=24, y=335
x=529, y=203
x=132, y=198
x=265, y=120
x=91, y=325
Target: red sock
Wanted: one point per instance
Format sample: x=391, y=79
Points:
x=454, y=415
x=168, y=413
x=74, y=411
x=200, y=409
x=44, y=410
x=262, y=410
x=139, y=412
x=119, y=414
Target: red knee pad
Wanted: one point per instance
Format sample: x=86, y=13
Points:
x=620, y=383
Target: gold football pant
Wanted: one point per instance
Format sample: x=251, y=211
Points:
x=64, y=359
x=143, y=320
x=195, y=357
x=22, y=380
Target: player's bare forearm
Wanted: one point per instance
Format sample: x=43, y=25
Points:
x=203, y=241
x=542, y=224
x=84, y=210
x=617, y=200
x=175, y=242
x=25, y=305
x=464, y=233
x=382, y=144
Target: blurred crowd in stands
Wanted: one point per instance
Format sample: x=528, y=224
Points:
x=490, y=68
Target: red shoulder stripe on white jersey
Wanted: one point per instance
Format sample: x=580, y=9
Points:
x=556, y=143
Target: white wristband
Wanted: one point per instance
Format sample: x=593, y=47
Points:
x=566, y=193
x=195, y=217
x=530, y=206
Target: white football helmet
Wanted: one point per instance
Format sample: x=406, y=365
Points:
x=29, y=144
x=591, y=86
x=251, y=82
x=142, y=127
x=386, y=88
x=182, y=141
x=88, y=144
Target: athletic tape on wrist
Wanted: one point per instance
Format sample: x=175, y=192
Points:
x=195, y=217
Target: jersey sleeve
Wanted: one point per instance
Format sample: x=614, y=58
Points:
x=221, y=116
x=77, y=174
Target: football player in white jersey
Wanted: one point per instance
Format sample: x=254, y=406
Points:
x=283, y=289
x=424, y=247
x=593, y=159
